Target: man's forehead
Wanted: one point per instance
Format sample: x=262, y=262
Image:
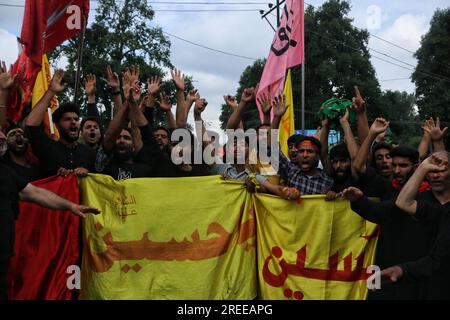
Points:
x=382, y=151
x=70, y=115
x=399, y=159
x=161, y=132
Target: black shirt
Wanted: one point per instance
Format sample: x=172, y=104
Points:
x=53, y=155
x=374, y=185
x=402, y=238
x=10, y=186
x=435, y=266
x=29, y=174
x=120, y=170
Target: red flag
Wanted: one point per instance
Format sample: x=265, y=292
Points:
x=47, y=243
x=286, y=51
x=46, y=24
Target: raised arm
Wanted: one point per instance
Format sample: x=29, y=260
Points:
x=7, y=81
x=112, y=80
x=380, y=125
x=153, y=86
x=200, y=106
x=324, y=156
x=233, y=105
x=279, y=109
x=37, y=114
x=352, y=146
x=166, y=107
x=248, y=95
x=181, y=112
x=114, y=128
x=359, y=105
x=266, y=107
x=90, y=84
x=406, y=199
x=424, y=145
x=437, y=135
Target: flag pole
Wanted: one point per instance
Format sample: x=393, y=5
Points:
x=79, y=59
x=303, y=96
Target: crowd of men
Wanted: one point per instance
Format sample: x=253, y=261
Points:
x=412, y=182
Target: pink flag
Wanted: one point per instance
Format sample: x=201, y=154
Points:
x=287, y=50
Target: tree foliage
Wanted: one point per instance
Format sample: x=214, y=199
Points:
x=120, y=36
x=432, y=74
x=337, y=58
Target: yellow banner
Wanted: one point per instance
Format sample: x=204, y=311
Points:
x=287, y=125
x=195, y=238
x=41, y=85
x=185, y=238
x=313, y=250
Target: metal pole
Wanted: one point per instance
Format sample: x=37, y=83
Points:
x=79, y=59
x=303, y=97
x=278, y=14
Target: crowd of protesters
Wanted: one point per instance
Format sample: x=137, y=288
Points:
x=412, y=182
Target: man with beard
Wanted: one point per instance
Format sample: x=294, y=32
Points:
x=402, y=237
x=16, y=156
x=304, y=175
x=428, y=206
x=115, y=156
x=162, y=136
x=65, y=154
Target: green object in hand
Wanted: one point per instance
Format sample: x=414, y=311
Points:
x=334, y=109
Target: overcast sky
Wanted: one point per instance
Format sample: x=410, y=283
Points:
x=402, y=22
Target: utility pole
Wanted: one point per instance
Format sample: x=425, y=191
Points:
x=264, y=16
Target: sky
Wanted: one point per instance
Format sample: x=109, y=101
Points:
x=244, y=33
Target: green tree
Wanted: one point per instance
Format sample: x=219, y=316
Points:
x=337, y=58
x=433, y=56
x=249, y=78
x=120, y=36
x=404, y=121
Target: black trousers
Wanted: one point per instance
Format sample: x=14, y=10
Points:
x=4, y=267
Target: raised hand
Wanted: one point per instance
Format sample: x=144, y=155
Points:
x=136, y=91
x=112, y=79
x=358, y=102
x=193, y=96
x=325, y=123
x=178, y=79
x=264, y=102
x=135, y=73
x=58, y=85
x=279, y=106
x=434, y=129
x=153, y=85
x=164, y=102
x=344, y=118
x=352, y=194
x=248, y=95
x=7, y=79
x=127, y=83
x=231, y=102
x=200, y=106
x=380, y=125
x=90, y=84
